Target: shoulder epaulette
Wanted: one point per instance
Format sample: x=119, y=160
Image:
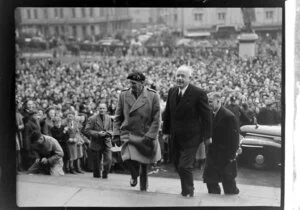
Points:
x=151, y=90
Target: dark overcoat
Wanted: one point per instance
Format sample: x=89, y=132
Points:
x=189, y=121
x=31, y=125
x=136, y=119
x=225, y=142
x=92, y=128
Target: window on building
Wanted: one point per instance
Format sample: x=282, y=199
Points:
x=221, y=15
x=62, y=29
x=101, y=12
x=35, y=14
x=84, y=31
x=91, y=12
x=61, y=12
x=45, y=13
x=83, y=12
x=198, y=17
x=92, y=30
x=175, y=17
x=73, y=13
x=269, y=14
x=55, y=12
x=28, y=14
x=74, y=31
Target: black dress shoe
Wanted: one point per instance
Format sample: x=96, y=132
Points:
x=96, y=175
x=133, y=182
x=104, y=175
x=235, y=192
x=72, y=171
x=188, y=195
x=79, y=171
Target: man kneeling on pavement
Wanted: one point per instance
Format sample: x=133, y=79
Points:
x=48, y=154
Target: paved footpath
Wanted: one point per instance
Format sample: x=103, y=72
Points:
x=84, y=190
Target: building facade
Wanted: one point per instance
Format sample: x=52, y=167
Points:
x=77, y=22
x=83, y=22
x=211, y=19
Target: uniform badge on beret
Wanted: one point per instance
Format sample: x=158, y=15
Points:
x=136, y=76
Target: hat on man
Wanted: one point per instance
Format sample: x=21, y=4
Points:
x=136, y=76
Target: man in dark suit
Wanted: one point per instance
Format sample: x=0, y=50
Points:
x=186, y=123
x=221, y=163
x=99, y=128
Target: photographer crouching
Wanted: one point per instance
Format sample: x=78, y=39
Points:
x=48, y=154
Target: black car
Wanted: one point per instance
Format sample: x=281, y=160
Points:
x=261, y=146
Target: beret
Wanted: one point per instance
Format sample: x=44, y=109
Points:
x=136, y=76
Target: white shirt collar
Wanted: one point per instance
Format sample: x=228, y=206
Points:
x=183, y=90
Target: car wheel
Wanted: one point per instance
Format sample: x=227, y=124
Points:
x=258, y=160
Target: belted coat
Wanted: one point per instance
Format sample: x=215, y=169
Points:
x=136, y=119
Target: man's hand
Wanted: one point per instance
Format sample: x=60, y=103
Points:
x=148, y=141
x=102, y=133
x=44, y=161
x=166, y=138
x=117, y=140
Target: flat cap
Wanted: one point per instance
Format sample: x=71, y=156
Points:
x=136, y=76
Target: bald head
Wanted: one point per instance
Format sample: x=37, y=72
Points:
x=183, y=76
x=186, y=69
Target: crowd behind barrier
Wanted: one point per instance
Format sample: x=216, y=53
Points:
x=80, y=84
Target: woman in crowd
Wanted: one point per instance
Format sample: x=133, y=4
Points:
x=74, y=144
x=57, y=132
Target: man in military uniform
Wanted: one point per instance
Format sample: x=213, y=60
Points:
x=136, y=126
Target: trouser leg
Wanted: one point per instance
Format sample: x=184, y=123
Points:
x=144, y=177
x=185, y=166
x=35, y=168
x=96, y=163
x=230, y=187
x=133, y=167
x=213, y=188
x=107, y=160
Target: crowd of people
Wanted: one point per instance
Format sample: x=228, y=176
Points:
x=73, y=88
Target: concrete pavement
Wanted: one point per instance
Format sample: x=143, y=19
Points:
x=84, y=190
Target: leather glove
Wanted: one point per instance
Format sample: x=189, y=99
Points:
x=149, y=142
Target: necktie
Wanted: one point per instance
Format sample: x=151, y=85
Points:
x=179, y=96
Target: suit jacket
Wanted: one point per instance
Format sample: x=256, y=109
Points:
x=92, y=128
x=135, y=119
x=225, y=142
x=189, y=121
